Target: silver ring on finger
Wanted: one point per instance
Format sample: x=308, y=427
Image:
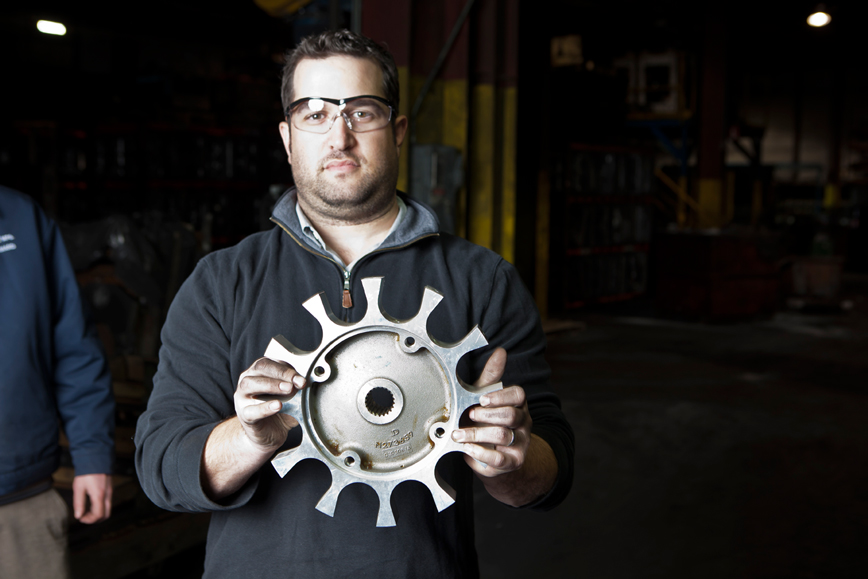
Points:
x=512, y=440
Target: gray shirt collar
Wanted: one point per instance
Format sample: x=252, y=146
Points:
x=313, y=235
x=420, y=221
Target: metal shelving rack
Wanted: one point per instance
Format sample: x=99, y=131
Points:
x=605, y=241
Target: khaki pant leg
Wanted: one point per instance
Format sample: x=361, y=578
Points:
x=33, y=538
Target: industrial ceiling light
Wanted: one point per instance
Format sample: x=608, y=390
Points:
x=49, y=27
x=820, y=17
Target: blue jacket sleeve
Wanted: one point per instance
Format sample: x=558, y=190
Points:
x=81, y=378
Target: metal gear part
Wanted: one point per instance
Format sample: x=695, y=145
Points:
x=382, y=401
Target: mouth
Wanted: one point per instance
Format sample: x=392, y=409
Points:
x=341, y=165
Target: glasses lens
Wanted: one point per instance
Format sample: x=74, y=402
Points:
x=363, y=114
x=367, y=114
x=314, y=115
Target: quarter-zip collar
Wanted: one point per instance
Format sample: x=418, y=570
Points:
x=313, y=235
x=420, y=221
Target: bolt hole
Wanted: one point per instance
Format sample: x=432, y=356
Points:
x=349, y=461
x=319, y=370
x=379, y=401
x=439, y=432
x=409, y=342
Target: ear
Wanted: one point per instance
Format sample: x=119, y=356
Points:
x=400, y=129
x=287, y=143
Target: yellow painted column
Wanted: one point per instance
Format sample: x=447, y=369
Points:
x=455, y=120
x=709, y=199
x=509, y=120
x=483, y=163
x=429, y=123
x=831, y=196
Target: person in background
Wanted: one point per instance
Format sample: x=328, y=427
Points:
x=52, y=372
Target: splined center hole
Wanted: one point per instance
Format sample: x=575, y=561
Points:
x=379, y=401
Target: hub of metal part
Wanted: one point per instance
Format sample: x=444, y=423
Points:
x=382, y=401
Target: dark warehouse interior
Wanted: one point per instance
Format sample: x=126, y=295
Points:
x=680, y=186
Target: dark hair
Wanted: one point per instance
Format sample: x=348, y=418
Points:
x=340, y=43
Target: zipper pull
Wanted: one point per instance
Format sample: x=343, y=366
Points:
x=347, y=301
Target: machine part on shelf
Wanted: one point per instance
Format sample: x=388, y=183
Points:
x=382, y=401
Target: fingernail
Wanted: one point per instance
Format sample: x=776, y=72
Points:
x=298, y=380
x=285, y=386
x=485, y=401
x=275, y=405
x=457, y=435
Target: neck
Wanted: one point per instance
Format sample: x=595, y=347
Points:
x=351, y=240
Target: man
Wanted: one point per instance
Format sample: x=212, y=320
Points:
x=207, y=437
x=51, y=365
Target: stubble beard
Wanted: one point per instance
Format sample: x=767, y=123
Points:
x=347, y=199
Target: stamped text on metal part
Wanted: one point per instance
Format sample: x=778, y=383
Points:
x=397, y=442
x=396, y=451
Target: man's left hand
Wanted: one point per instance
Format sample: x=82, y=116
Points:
x=92, y=497
x=500, y=435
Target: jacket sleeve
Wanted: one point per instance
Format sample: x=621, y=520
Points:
x=82, y=382
x=193, y=392
x=511, y=321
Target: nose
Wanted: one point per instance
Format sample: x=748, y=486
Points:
x=340, y=135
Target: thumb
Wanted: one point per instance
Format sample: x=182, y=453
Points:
x=79, y=498
x=108, y=497
x=494, y=368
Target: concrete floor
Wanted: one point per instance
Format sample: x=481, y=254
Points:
x=706, y=451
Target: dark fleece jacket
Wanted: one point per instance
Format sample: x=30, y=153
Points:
x=222, y=320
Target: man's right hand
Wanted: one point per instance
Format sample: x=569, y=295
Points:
x=241, y=445
x=258, y=399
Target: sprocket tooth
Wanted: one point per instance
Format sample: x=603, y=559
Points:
x=477, y=392
x=430, y=299
x=282, y=350
x=319, y=307
x=472, y=341
x=442, y=492
x=292, y=407
x=372, y=286
x=385, y=515
x=287, y=459
x=329, y=501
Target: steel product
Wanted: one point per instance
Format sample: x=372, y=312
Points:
x=382, y=401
